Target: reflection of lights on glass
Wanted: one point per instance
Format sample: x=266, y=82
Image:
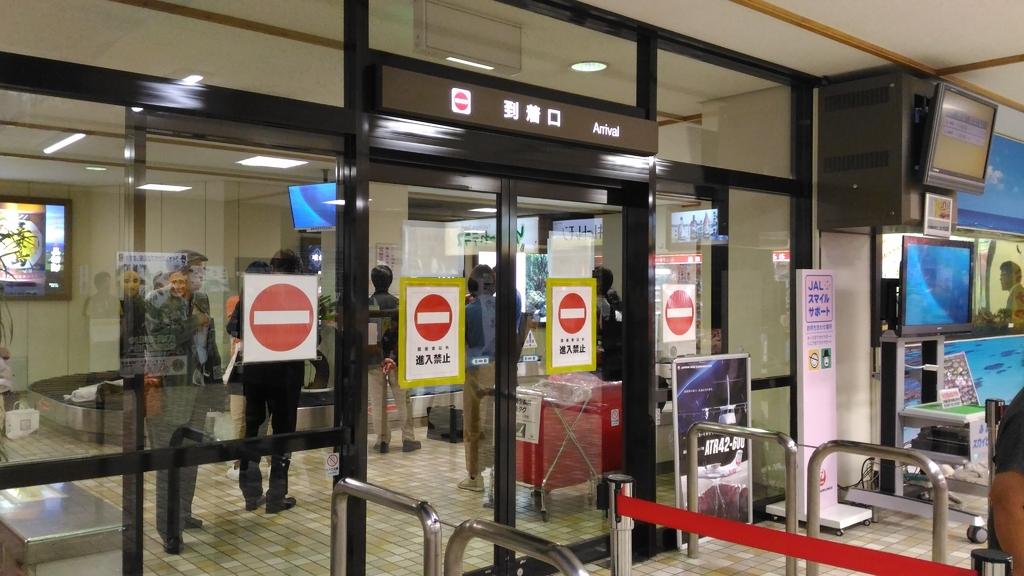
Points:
x=662, y=272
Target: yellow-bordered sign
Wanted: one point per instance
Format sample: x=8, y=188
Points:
x=572, y=328
x=432, y=332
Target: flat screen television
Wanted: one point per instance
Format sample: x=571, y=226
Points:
x=313, y=205
x=33, y=248
x=937, y=282
x=959, y=131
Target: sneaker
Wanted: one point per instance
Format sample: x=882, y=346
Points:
x=472, y=484
x=233, y=471
x=411, y=445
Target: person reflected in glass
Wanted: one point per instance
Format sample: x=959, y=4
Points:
x=609, y=325
x=274, y=387
x=1010, y=280
x=384, y=313
x=133, y=314
x=182, y=355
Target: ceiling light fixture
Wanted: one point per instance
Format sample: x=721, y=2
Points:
x=164, y=187
x=271, y=162
x=63, y=143
x=469, y=63
x=192, y=79
x=136, y=109
x=589, y=66
x=484, y=210
x=335, y=202
x=96, y=168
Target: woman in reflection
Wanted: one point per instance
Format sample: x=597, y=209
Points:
x=273, y=386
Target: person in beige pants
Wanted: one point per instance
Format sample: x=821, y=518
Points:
x=383, y=308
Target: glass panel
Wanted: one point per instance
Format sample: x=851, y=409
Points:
x=62, y=528
x=569, y=423
x=718, y=117
x=62, y=221
x=688, y=239
x=239, y=249
x=431, y=235
x=770, y=411
x=759, y=280
x=290, y=49
x=492, y=38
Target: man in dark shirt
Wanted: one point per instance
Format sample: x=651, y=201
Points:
x=1007, y=491
x=384, y=312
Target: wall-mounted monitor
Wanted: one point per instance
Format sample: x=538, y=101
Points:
x=33, y=248
x=959, y=131
x=313, y=205
x=937, y=277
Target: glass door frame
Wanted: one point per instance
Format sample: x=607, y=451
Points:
x=507, y=190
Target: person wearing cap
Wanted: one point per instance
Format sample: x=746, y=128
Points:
x=180, y=327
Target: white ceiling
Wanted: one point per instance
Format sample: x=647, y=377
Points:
x=936, y=33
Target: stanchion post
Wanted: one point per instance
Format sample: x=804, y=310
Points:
x=987, y=562
x=993, y=414
x=692, y=538
x=621, y=526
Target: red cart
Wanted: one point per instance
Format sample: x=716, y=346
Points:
x=569, y=431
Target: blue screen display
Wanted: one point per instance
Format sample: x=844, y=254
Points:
x=310, y=207
x=937, y=285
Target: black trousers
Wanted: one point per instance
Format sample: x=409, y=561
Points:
x=270, y=389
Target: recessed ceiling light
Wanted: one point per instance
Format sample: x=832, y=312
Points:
x=96, y=168
x=271, y=162
x=164, y=187
x=65, y=142
x=192, y=79
x=589, y=66
x=469, y=63
x=136, y=108
x=484, y=210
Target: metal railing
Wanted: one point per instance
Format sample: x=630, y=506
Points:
x=940, y=491
x=507, y=537
x=788, y=445
x=398, y=502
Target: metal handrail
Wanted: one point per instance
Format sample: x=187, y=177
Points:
x=507, y=537
x=788, y=445
x=398, y=502
x=940, y=491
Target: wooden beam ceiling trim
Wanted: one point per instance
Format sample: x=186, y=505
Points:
x=983, y=64
x=235, y=22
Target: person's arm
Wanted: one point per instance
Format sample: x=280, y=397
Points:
x=1007, y=498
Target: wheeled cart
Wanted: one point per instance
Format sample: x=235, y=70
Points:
x=569, y=431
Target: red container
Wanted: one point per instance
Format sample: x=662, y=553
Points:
x=598, y=432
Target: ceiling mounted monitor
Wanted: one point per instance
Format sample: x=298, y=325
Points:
x=959, y=133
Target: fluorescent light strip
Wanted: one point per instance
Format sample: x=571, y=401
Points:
x=63, y=143
x=271, y=162
x=164, y=187
x=96, y=168
x=469, y=63
x=484, y=210
x=192, y=80
x=335, y=202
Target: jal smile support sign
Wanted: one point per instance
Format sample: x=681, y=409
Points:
x=280, y=317
x=572, y=328
x=432, y=332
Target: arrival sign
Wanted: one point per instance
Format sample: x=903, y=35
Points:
x=572, y=341
x=431, y=332
x=280, y=317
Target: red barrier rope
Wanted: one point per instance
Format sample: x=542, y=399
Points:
x=823, y=551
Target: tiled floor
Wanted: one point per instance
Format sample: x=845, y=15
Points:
x=236, y=542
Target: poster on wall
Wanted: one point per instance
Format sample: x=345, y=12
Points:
x=938, y=215
x=998, y=207
x=432, y=332
x=679, y=312
x=816, y=374
x=714, y=389
x=572, y=345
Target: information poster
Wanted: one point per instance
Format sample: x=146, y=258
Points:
x=938, y=215
x=572, y=341
x=816, y=374
x=714, y=389
x=528, y=410
x=679, y=312
x=432, y=332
